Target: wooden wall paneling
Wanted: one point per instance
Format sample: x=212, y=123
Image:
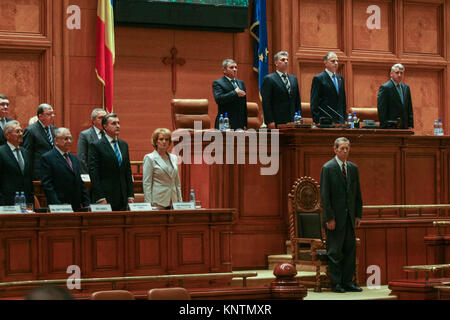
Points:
x=192, y=252
x=423, y=24
x=146, y=249
x=105, y=253
x=59, y=251
x=373, y=40
x=26, y=19
x=396, y=252
x=367, y=80
x=421, y=177
x=416, y=250
x=375, y=247
x=18, y=255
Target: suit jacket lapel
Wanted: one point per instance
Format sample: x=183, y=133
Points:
x=162, y=163
x=14, y=160
x=63, y=160
x=281, y=83
x=339, y=171
x=44, y=133
x=109, y=149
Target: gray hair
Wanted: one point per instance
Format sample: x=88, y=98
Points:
x=60, y=131
x=340, y=139
x=226, y=62
x=280, y=53
x=327, y=56
x=42, y=107
x=95, y=112
x=397, y=66
x=10, y=125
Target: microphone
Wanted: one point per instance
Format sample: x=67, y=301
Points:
x=325, y=112
x=340, y=116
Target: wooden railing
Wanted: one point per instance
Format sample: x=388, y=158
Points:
x=403, y=208
x=113, y=280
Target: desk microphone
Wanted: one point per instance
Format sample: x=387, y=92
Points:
x=325, y=112
x=340, y=116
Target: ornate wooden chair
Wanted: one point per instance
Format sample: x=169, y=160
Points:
x=186, y=111
x=306, y=232
x=175, y=293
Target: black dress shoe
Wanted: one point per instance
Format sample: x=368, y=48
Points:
x=353, y=288
x=337, y=288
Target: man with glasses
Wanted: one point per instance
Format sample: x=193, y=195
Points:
x=38, y=138
x=4, y=106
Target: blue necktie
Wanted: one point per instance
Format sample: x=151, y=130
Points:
x=116, y=150
x=335, y=82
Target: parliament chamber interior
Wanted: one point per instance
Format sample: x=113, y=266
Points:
x=245, y=237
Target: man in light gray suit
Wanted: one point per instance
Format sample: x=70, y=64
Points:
x=342, y=208
x=90, y=136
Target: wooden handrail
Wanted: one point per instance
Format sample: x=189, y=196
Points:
x=399, y=207
x=427, y=268
x=180, y=277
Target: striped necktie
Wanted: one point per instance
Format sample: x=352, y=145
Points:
x=234, y=83
x=49, y=136
x=20, y=159
x=117, y=152
x=66, y=155
x=286, y=82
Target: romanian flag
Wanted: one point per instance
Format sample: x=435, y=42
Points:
x=105, y=51
x=258, y=30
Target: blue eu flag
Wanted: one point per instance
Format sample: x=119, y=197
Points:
x=258, y=30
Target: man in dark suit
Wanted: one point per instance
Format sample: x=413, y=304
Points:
x=328, y=92
x=109, y=167
x=89, y=136
x=342, y=209
x=230, y=96
x=280, y=93
x=394, y=100
x=4, y=105
x=15, y=166
x=38, y=137
x=60, y=174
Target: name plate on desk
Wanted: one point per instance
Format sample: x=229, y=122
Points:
x=10, y=209
x=144, y=206
x=100, y=207
x=183, y=205
x=60, y=208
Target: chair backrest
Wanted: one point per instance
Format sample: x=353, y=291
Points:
x=306, y=112
x=254, y=116
x=112, y=295
x=366, y=113
x=305, y=219
x=175, y=293
x=186, y=111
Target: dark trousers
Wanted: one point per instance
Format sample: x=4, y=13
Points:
x=341, y=250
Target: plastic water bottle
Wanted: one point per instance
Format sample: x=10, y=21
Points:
x=221, y=122
x=355, y=118
x=226, y=122
x=23, y=202
x=350, y=120
x=17, y=199
x=296, y=117
x=436, y=128
x=440, y=127
x=192, y=196
x=299, y=118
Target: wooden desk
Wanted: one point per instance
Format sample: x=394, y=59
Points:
x=42, y=246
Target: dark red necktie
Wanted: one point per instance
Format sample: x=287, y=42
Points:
x=68, y=160
x=343, y=171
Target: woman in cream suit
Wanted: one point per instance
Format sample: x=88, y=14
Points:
x=161, y=178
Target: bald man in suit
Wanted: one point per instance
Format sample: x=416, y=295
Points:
x=340, y=193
